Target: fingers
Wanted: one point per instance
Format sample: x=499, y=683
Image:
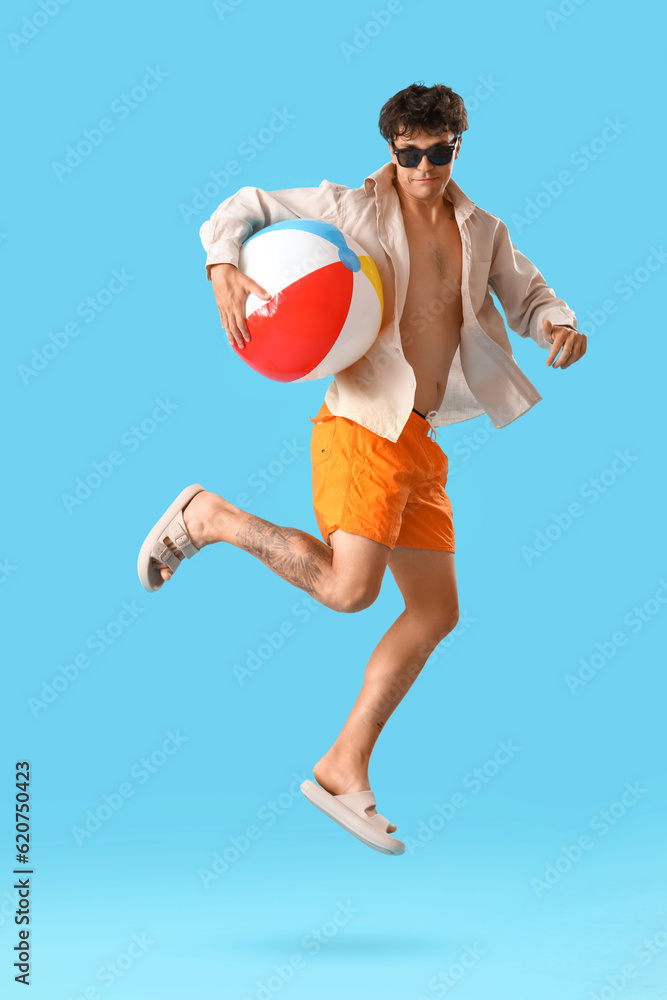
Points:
x=231, y=306
x=577, y=349
x=570, y=343
x=573, y=349
x=259, y=291
x=552, y=353
x=231, y=296
x=233, y=320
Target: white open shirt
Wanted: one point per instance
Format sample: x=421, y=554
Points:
x=378, y=391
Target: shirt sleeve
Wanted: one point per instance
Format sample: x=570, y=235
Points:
x=523, y=293
x=250, y=209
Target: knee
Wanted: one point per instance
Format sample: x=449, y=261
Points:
x=448, y=623
x=439, y=626
x=358, y=598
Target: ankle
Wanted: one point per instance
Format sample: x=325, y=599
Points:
x=347, y=758
x=223, y=522
x=207, y=518
x=340, y=778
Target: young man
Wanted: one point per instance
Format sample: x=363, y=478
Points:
x=379, y=479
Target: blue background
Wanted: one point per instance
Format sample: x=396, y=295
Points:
x=537, y=89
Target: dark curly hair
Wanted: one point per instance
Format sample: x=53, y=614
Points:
x=418, y=108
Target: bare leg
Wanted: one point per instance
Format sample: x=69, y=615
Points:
x=427, y=582
x=344, y=577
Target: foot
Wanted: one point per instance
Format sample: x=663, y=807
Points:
x=201, y=516
x=342, y=776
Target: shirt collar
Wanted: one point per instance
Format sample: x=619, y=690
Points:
x=383, y=179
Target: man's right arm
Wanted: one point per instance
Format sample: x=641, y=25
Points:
x=251, y=209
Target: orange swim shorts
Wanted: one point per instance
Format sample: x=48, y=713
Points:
x=391, y=492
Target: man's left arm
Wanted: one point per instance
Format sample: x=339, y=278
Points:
x=531, y=307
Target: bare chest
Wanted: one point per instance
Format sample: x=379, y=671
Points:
x=433, y=298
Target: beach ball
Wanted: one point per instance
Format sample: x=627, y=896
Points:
x=325, y=309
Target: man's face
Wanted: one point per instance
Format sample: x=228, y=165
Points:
x=425, y=181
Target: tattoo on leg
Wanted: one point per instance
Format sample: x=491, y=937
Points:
x=284, y=550
x=380, y=725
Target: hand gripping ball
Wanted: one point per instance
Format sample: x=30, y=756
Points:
x=325, y=309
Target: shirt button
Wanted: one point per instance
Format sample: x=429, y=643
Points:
x=398, y=350
x=412, y=384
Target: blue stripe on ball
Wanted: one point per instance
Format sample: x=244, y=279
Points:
x=316, y=226
x=350, y=259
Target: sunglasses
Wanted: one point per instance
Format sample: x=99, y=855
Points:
x=438, y=155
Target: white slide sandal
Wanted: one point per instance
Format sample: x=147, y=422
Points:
x=350, y=812
x=171, y=525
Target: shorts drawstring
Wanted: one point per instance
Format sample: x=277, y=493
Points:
x=432, y=413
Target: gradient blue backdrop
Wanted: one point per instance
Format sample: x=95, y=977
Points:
x=209, y=874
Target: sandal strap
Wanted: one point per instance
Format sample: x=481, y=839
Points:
x=177, y=531
x=164, y=554
x=359, y=802
x=178, y=534
x=380, y=821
